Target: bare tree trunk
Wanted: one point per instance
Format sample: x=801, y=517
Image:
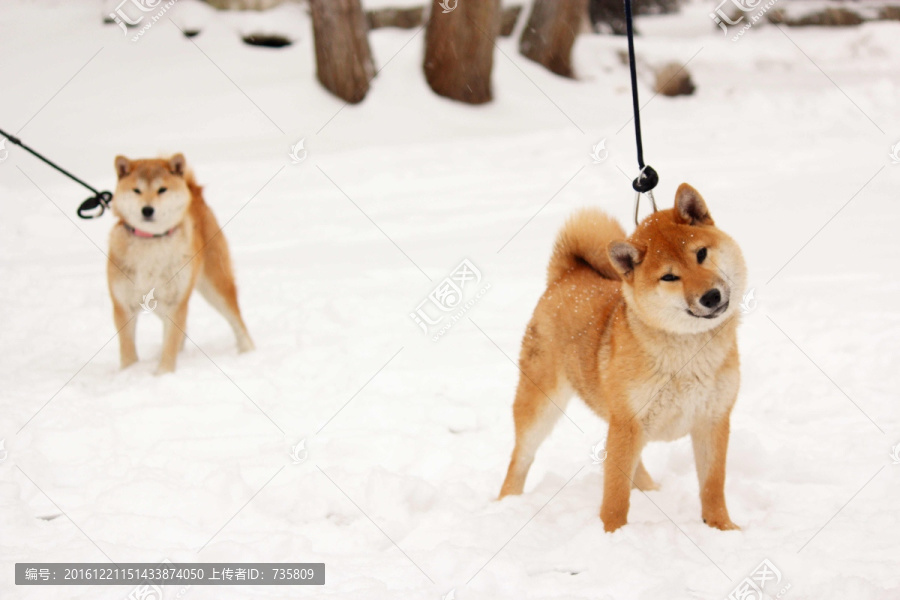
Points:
x=550, y=33
x=608, y=16
x=343, y=58
x=243, y=4
x=459, y=48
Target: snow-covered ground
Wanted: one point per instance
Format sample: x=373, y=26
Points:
x=788, y=137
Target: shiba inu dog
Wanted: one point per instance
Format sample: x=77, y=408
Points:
x=643, y=329
x=166, y=242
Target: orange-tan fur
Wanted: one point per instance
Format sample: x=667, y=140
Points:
x=191, y=251
x=645, y=354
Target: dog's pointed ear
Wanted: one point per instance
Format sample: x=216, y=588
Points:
x=624, y=257
x=690, y=207
x=123, y=166
x=177, y=164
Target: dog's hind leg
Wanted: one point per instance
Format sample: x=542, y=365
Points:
x=216, y=285
x=642, y=479
x=538, y=406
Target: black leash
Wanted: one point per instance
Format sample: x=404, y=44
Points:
x=99, y=199
x=647, y=178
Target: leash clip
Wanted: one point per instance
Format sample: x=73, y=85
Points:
x=101, y=199
x=644, y=184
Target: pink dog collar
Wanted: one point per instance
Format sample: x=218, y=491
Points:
x=146, y=234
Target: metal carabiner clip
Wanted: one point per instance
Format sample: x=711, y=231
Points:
x=101, y=200
x=639, y=183
x=637, y=205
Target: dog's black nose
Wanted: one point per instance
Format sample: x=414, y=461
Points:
x=711, y=299
x=147, y=211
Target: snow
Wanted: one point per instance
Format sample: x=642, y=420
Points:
x=787, y=136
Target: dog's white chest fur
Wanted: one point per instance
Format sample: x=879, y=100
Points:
x=159, y=264
x=687, y=388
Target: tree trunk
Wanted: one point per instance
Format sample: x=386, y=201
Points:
x=608, y=16
x=459, y=48
x=550, y=33
x=343, y=58
x=242, y=4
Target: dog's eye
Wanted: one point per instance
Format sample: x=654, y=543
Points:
x=669, y=277
x=161, y=190
x=701, y=255
x=136, y=191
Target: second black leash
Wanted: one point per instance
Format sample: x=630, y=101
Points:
x=647, y=178
x=99, y=199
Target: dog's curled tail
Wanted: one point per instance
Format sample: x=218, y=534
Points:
x=195, y=188
x=583, y=241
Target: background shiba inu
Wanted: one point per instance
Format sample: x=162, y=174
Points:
x=643, y=329
x=166, y=242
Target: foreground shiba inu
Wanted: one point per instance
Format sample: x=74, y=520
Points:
x=643, y=329
x=166, y=242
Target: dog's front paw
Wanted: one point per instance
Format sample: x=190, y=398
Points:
x=721, y=523
x=610, y=526
x=127, y=362
x=510, y=489
x=613, y=520
x=164, y=369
